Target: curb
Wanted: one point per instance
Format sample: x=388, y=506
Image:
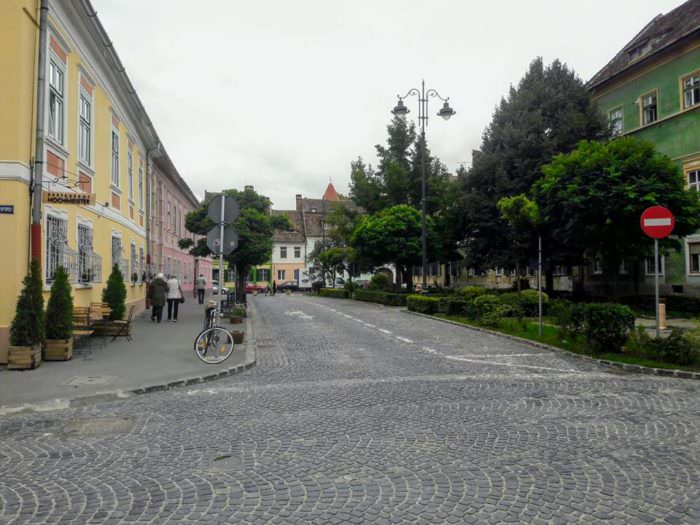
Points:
x=59, y=404
x=662, y=372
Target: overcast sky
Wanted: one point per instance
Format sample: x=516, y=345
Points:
x=283, y=94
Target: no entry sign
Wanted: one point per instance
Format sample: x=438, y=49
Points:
x=657, y=222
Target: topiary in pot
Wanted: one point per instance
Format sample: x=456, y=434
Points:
x=114, y=293
x=59, y=319
x=27, y=329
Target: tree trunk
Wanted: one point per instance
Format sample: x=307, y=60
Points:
x=240, y=285
x=549, y=280
x=408, y=277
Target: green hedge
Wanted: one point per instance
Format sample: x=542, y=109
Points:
x=423, y=304
x=375, y=296
x=607, y=326
x=338, y=293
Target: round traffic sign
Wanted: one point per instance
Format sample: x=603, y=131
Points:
x=657, y=222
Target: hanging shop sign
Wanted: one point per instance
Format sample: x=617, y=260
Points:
x=58, y=197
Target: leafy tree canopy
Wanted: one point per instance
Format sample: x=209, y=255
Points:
x=592, y=198
x=548, y=113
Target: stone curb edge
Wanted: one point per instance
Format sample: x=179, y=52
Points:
x=59, y=404
x=664, y=372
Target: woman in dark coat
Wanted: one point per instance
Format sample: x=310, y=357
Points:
x=159, y=290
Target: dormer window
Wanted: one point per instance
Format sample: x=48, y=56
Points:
x=639, y=50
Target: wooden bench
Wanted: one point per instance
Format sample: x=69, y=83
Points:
x=100, y=311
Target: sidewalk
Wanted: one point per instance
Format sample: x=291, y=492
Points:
x=159, y=356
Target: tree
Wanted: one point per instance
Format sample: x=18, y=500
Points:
x=393, y=236
x=59, y=309
x=548, y=113
x=27, y=327
x=255, y=227
x=592, y=198
x=523, y=217
x=114, y=293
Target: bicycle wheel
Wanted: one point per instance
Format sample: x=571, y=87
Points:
x=214, y=345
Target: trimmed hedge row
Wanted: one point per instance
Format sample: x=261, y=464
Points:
x=338, y=293
x=376, y=296
x=423, y=304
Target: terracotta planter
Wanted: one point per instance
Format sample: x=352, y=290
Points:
x=236, y=319
x=23, y=357
x=237, y=336
x=58, y=349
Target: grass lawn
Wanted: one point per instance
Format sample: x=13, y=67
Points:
x=551, y=336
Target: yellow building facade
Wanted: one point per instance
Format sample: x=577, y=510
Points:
x=98, y=144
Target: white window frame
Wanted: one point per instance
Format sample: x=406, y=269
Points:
x=694, y=90
x=297, y=252
x=115, y=178
x=597, y=266
x=688, y=242
x=613, y=129
x=83, y=223
x=49, y=268
x=57, y=127
x=85, y=152
x=130, y=175
x=281, y=275
x=643, y=107
x=695, y=185
x=650, y=271
x=283, y=252
x=622, y=269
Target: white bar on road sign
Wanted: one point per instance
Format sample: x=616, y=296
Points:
x=658, y=222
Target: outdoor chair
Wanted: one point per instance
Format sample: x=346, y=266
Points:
x=123, y=327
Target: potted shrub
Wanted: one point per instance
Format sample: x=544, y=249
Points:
x=27, y=329
x=58, y=345
x=237, y=336
x=114, y=293
x=237, y=315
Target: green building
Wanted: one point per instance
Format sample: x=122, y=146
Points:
x=651, y=90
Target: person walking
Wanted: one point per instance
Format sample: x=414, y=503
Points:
x=174, y=298
x=274, y=287
x=158, y=292
x=201, y=288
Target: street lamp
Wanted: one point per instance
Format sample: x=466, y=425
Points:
x=445, y=112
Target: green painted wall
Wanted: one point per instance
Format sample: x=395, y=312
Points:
x=680, y=135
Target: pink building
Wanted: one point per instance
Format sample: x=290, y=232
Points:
x=171, y=200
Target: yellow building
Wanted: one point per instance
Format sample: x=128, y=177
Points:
x=97, y=145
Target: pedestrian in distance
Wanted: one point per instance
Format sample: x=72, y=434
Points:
x=158, y=292
x=175, y=297
x=201, y=288
x=274, y=287
x=268, y=289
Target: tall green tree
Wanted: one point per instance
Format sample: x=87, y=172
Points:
x=548, y=113
x=255, y=227
x=591, y=199
x=393, y=236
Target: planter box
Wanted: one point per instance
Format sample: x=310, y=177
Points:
x=236, y=319
x=58, y=349
x=238, y=336
x=23, y=357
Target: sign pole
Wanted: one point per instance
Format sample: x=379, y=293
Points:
x=656, y=283
x=539, y=282
x=221, y=245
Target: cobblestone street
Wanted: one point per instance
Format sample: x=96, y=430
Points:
x=357, y=413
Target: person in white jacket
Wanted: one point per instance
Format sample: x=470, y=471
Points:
x=174, y=297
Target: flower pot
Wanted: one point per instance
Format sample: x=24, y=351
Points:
x=237, y=336
x=58, y=349
x=23, y=357
x=236, y=319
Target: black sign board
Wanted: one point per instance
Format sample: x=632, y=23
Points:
x=7, y=209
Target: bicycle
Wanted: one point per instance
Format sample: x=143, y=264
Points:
x=214, y=344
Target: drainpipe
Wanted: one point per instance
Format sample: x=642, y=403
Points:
x=149, y=187
x=38, y=167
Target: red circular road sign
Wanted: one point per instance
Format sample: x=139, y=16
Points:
x=657, y=222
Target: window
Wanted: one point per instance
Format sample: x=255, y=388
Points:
x=281, y=275
x=263, y=274
x=694, y=257
x=649, y=265
x=615, y=117
x=169, y=223
x=142, y=266
x=694, y=180
x=622, y=270
x=133, y=266
x=649, y=111
x=56, y=242
x=85, y=129
x=56, y=101
x=116, y=251
x=283, y=252
x=140, y=185
x=597, y=266
x=296, y=275
x=297, y=252
x=85, y=266
x=691, y=91
x=130, y=175
x=115, y=158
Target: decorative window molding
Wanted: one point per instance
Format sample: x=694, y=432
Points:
x=649, y=108
x=56, y=106
x=114, y=149
x=690, y=89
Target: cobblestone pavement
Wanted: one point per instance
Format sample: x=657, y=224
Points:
x=357, y=413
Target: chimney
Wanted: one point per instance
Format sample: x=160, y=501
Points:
x=298, y=202
x=248, y=187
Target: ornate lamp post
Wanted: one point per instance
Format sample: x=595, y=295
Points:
x=445, y=112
